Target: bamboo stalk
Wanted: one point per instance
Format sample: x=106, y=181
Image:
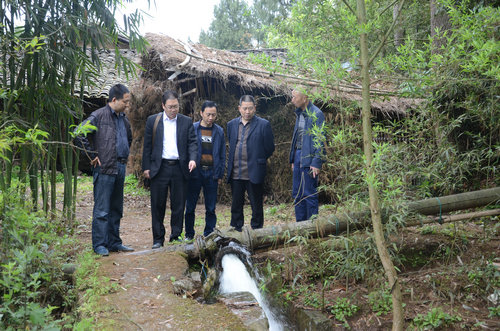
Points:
x=457, y=217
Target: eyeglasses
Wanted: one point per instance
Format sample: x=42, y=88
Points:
x=172, y=107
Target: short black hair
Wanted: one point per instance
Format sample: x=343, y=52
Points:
x=117, y=91
x=247, y=98
x=168, y=95
x=208, y=104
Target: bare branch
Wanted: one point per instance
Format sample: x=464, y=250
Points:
x=348, y=6
x=388, y=7
x=382, y=43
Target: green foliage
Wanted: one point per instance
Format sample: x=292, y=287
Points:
x=82, y=130
x=313, y=300
x=342, y=309
x=49, y=58
x=92, y=286
x=32, y=284
x=230, y=28
x=435, y=319
x=484, y=276
x=462, y=80
x=236, y=25
x=438, y=148
x=340, y=258
x=380, y=301
x=265, y=14
x=133, y=188
x=494, y=311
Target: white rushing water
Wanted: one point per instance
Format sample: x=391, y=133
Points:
x=235, y=278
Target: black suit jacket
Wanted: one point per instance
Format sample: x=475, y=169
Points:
x=260, y=146
x=186, y=144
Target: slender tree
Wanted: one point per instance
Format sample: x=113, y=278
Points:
x=378, y=230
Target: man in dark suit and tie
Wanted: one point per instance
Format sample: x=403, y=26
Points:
x=168, y=161
x=251, y=143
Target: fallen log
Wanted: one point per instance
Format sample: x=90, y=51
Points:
x=275, y=236
x=461, y=201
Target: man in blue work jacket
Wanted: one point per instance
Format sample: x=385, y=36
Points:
x=306, y=156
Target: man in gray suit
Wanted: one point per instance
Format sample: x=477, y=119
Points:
x=168, y=161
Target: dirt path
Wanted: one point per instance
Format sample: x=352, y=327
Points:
x=145, y=299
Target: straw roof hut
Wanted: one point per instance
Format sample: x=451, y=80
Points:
x=200, y=73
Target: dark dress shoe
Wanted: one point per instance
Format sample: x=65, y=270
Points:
x=122, y=248
x=156, y=246
x=101, y=250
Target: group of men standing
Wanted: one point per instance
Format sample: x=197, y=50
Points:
x=182, y=157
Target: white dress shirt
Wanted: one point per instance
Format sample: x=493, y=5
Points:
x=170, y=138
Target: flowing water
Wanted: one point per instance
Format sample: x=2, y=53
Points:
x=235, y=278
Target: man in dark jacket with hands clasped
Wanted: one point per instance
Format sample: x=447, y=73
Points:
x=108, y=147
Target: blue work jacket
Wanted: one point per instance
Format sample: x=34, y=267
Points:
x=312, y=153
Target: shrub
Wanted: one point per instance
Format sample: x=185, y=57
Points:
x=436, y=318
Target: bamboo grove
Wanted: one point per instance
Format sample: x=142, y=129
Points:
x=48, y=56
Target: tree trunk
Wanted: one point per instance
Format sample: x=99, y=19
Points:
x=398, y=27
x=378, y=232
x=439, y=21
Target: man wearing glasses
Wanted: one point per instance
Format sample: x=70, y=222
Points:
x=168, y=157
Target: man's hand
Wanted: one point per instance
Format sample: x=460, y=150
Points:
x=146, y=173
x=191, y=165
x=314, y=172
x=292, y=166
x=95, y=162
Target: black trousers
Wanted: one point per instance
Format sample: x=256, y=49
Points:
x=169, y=176
x=255, y=194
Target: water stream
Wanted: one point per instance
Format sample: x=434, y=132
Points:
x=235, y=278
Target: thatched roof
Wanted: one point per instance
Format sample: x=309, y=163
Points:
x=202, y=64
x=171, y=57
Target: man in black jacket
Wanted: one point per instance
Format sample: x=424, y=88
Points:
x=168, y=161
x=108, y=147
x=251, y=143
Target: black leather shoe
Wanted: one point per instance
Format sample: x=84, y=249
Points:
x=157, y=245
x=122, y=248
x=101, y=250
